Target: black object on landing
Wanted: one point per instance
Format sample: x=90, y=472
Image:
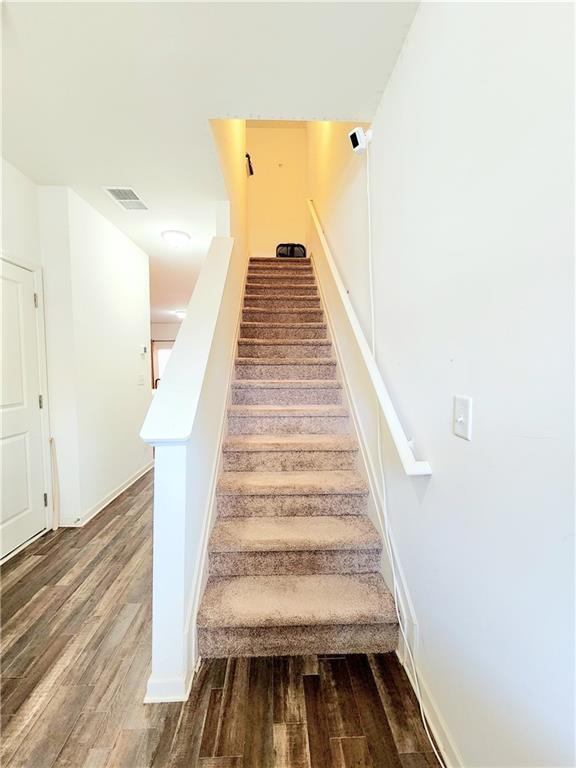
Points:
x=290, y=251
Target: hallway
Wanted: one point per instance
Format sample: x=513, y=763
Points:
x=76, y=638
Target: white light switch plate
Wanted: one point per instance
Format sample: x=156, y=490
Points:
x=462, y=422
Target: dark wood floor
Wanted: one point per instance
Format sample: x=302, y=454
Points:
x=75, y=657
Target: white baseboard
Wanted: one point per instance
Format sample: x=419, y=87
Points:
x=167, y=690
x=175, y=689
x=89, y=514
x=436, y=723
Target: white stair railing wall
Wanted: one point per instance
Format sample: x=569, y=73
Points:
x=184, y=424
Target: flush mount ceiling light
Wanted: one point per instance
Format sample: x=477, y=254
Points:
x=180, y=313
x=176, y=238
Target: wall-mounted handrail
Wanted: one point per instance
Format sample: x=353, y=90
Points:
x=410, y=464
x=170, y=418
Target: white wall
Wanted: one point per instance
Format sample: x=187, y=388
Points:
x=111, y=325
x=277, y=191
x=472, y=166
x=20, y=236
x=97, y=317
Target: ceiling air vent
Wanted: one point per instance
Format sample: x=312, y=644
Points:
x=127, y=198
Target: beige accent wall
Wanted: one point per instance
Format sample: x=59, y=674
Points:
x=277, y=190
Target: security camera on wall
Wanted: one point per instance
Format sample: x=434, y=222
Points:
x=359, y=139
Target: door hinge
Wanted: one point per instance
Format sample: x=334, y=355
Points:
x=45, y=499
x=40, y=401
x=36, y=300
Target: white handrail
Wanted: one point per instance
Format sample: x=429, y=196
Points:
x=170, y=418
x=411, y=465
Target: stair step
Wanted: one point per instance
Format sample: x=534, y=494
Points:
x=281, y=301
x=291, y=483
x=290, y=443
x=290, y=263
x=286, y=392
x=274, y=289
x=284, y=348
x=289, y=453
x=293, y=558
x=300, y=270
x=285, y=315
x=275, y=277
x=283, y=330
x=285, y=368
x=288, y=419
x=270, y=494
x=296, y=615
x=243, y=546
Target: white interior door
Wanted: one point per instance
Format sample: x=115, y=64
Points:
x=22, y=512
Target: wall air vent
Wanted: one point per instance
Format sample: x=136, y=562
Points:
x=127, y=198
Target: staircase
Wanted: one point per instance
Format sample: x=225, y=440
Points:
x=293, y=557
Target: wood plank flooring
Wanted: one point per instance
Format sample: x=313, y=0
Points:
x=75, y=611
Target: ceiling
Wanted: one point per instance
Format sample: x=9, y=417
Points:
x=120, y=94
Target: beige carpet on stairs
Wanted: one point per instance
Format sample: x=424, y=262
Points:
x=293, y=557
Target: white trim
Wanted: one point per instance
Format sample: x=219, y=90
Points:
x=45, y=414
x=411, y=465
x=436, y=722
x=31, y=266
x=93, y=511
x=170, y=690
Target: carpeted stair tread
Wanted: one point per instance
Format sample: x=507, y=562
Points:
x=309, y=600
x=274, y=411
x=277, y=285
x=266, y=312
x=260, y=276
x=271, y=271
x=279, y=534
x=264, y=325
x=281, y=301
x=288, y=296
x=285, y=262
x=287, y=383
x=283, y=391
x=290, y=443
x=285, y=361
x=317, y=483
x=286, y=342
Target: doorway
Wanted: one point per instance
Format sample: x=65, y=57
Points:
x=161, y=351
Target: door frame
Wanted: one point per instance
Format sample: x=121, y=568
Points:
x=41, y=356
